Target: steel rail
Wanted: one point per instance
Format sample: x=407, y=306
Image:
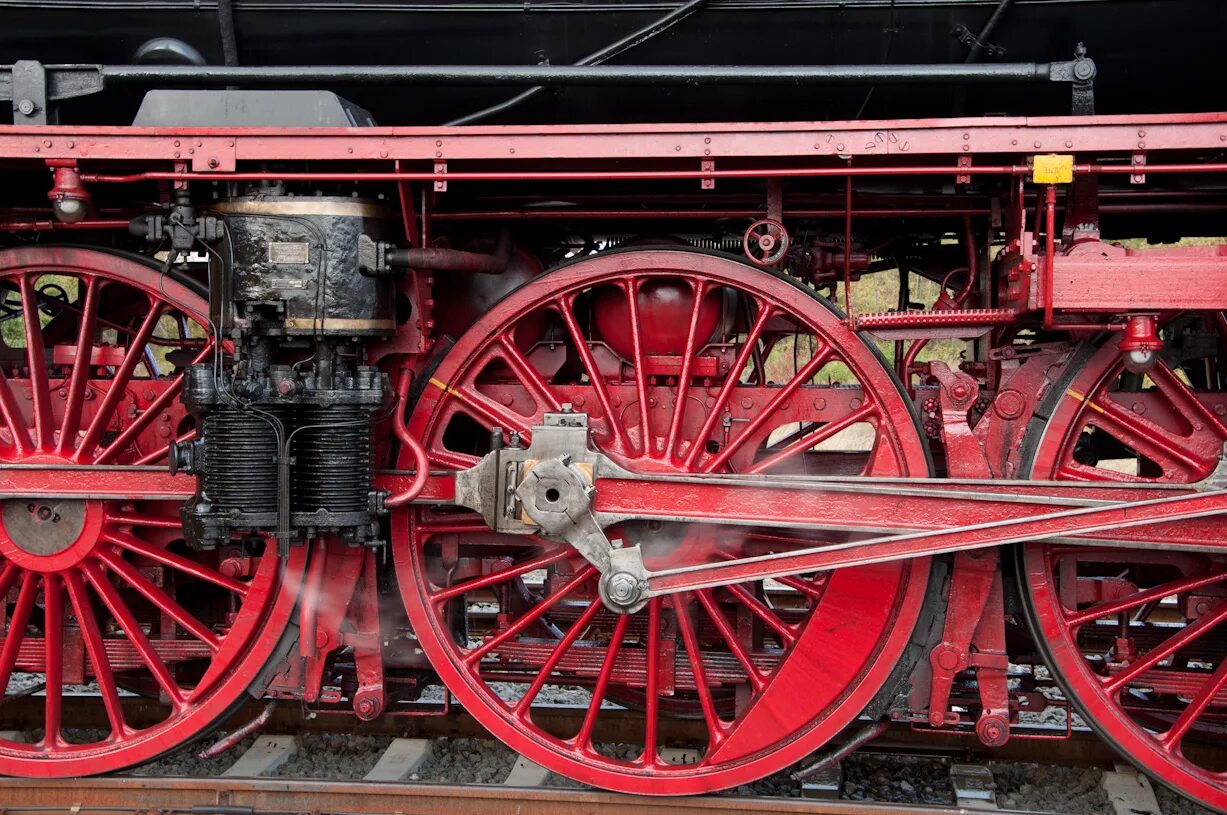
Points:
x=257, y=796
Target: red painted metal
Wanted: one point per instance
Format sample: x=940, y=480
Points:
x=116, y=593
x=771, y=687
x=684, y=363
x=1097, y=614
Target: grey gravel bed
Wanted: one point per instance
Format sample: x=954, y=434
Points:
x=868, y=776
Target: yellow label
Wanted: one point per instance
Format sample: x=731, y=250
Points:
x=1052, y=169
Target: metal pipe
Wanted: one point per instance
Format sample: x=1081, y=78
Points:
x=832, y=758
x=558, y=75
x=578, y=175
x=55, y=225
x=645, y=175
x=455, y=260
x=569, y=214
x=421, y=464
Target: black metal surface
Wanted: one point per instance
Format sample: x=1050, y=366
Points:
x=332, y=465
x=1153, y=56
x=296, y=272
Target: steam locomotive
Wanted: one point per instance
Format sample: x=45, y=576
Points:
x=733, y=377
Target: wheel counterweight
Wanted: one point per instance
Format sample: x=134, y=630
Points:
x=103, y=593
x=744, y=379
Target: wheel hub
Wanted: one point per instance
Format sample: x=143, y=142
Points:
x=43, y=527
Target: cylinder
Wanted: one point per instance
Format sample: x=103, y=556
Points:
x=332, y=465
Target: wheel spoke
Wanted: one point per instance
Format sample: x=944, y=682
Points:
x=527, y=374
x=1197, y=705
x=1142, y=598
x=651, y=712
x=17, y=629
x=168, y=558
x=531, y=616
x=556, y=655
x=53, y=655
x=765, y=313
x=36, y=358
x=1145, y=436
x=1114, y=682
x=735, y=646
x=631, y=290
x=22, y=444
x=115, y=391
x=683, y=380
x=144, y=519
x=716, y=730
x=156, y=407
x=491, y=412
x=547, y=558
x=1184, y=399
x=785, y=632
x=158, y=597
x=157, y=454
x=565, y=308
x=814, y=438
x=95, y=646
x=453, y=461
x=807, y=372
x=136, y=635
x=584, y=737
x=81, y=363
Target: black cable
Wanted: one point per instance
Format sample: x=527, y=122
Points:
x=225, y=25
x=615, y=49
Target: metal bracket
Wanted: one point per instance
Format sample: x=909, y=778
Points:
x=967, y=37
x=32, y=87
x=1080, y=73
x=29, y=93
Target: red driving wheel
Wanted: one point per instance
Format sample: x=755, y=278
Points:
x=1135, y=637
x=103, y=593
x=729, y=362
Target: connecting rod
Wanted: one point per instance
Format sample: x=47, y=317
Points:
x=560, y=488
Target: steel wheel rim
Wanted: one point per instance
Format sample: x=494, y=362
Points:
x=895, y=610
x=105, y=575
x=1154, y=744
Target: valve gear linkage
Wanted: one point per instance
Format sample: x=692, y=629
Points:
x=560, y=488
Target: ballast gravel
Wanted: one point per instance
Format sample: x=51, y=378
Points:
x=867, y=776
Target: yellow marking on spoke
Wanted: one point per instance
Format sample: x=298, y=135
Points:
x=443, y=386
x=1084, y=400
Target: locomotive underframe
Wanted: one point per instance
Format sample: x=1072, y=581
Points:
x=1063, y=285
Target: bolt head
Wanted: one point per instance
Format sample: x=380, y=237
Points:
x=622, y=588
x=25, y=107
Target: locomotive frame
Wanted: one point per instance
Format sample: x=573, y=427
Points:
x=1059, y=318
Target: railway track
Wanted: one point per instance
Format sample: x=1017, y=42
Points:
x=211, y=796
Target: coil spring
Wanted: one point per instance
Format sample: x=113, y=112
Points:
x=240, y=451
x=332, y=469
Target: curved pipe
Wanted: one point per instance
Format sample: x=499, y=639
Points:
x=421, y=463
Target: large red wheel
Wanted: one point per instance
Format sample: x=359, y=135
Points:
x=1136, y=637
x=103, y=593
x=773, y=669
